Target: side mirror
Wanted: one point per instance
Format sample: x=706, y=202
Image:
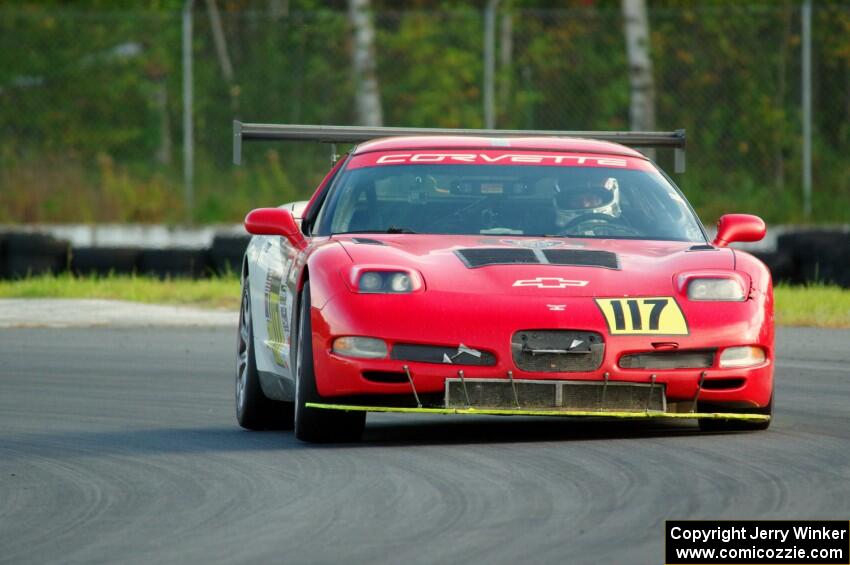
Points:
x=275, y=221
x=739, y=227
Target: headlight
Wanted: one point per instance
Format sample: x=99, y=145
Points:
x=398, y=282
x=716, y=289
x=363, y=347
x=371, y=282
x=737, y=357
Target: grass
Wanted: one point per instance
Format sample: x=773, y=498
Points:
x=212, y=293
x=813, y=305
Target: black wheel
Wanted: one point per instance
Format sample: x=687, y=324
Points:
x=254, y=410
x=311, y=424
x=712, y=425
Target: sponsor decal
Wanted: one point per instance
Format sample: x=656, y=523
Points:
x=274, y=317
x=557, y=307
x=549, y=282
x=643, y=316
x=496, y=157
x=503, y=159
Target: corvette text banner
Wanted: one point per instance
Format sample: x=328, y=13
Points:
x=820, y=542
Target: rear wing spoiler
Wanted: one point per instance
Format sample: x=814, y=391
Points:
x=358, y=134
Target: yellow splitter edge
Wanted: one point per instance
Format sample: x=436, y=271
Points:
x=566, y=413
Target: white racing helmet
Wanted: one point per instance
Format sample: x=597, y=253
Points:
x=579, y=197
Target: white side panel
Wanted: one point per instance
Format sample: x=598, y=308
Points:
x=270, y=263
x=258, y=274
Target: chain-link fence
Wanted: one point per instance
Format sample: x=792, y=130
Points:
x=91, y=102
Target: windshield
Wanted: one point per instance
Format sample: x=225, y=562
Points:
x=490, y=199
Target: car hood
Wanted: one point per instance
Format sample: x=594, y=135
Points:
x=448, y=263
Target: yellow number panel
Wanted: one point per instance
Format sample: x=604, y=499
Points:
x=643, y=316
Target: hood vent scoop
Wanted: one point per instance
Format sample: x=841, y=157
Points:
x=482, y=257
x=366, y=241
x=582, y=258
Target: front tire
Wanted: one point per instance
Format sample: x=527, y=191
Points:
x=311, y=424
x=254, y=410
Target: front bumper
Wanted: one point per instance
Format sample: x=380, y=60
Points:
x=488, y=323
x=648, y=415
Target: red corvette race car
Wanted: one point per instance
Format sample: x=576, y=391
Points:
x=475, y=272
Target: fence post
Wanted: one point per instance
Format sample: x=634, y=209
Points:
x=807, y=107
x=490, y=63
x=188, y=136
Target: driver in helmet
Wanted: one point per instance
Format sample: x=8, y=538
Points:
x=574, y=198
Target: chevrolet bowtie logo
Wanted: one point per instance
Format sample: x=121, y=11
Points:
x=549, y=282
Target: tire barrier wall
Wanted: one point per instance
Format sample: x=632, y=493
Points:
x=815, y=256
x=29, y=254
x=23, y=254
x=811, y=256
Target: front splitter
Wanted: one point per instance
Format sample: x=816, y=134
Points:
x=643, y=415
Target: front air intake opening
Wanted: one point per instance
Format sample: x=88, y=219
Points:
x=557, y=351
x=385, y=376
x=689, y=359
x=554, y=395
x=729, y=383
x=455, y=355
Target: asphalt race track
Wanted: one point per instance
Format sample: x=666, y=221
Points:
x=121, y=446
